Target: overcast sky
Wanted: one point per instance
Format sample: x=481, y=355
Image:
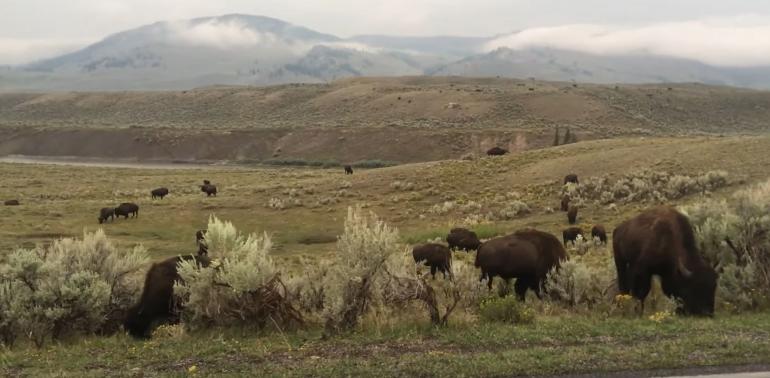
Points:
x=33, y=29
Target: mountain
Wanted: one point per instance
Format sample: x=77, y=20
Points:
x=241, y=49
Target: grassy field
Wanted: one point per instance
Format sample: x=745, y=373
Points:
x=304, y=210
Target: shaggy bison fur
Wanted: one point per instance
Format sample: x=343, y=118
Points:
x=436, y=256
x=597, y=231
x=496, y=151
x=527, y=255
x=127, y=208
x=157, y=304
x=572, y=214
x=105, y=213
x=571, y=234
x=661, y=242
x=159, y=193
x=462, y=238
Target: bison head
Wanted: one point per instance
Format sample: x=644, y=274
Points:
x=697, y=290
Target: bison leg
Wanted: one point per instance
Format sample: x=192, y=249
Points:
x=640, y=288
x=520, y=287
x=433, y=271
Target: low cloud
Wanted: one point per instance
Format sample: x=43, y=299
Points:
x=222, y=34
x=15, y=51
x=735, y=42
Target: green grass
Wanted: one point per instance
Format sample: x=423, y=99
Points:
x=551, y=345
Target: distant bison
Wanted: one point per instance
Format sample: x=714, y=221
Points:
x=571, y=234
x=157, y=304
x=11, y=203
x=210, y=190
x=496, y=151
x=660, y=241
x=200, y=240
x=598, y=232
x=436, y=256
x=206, y=182
x=159, y=193
x=106, y=213
x=348, y=170
x=526, y=255
x=572, y=214
x=461, y=238
x=565, y=202
x=127, y=208
x=573, y=178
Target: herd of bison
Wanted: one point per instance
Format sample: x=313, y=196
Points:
x=659, y=241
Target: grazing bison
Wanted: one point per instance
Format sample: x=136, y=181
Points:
x=210, y=190
x=11, y=203
x=160, y=192
x=571, y=234
x=565, y=202
x=206, y=182
x=660, y=241
x=572, y=214
x=127, y=208
x=462, y=238
x=200, y=240
x=526, y=255
x=105, y=213
x=496, y=151
x=436, y=256
x=573, y=178
x=348, y=170
x=597, y=231
x=157, y=304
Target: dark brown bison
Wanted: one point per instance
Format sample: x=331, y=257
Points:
x=496, y=151
x=573, y=178
x=660, y=241
x=461, y=238
x=565, y=202
x=436, y=256
x=127, y=208
x=206, y=182
x=526, y=255
x=571, y=234
x=105, y=213
x=572, y=214
x=348, y=170
x=11, y=203
x=157, y=304
x=200, y=240
x=159, y=193
x=209, y=189
x=597, y=231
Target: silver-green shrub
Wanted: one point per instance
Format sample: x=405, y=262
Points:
x=71, y=286
x=584, y=280
x=241, y=285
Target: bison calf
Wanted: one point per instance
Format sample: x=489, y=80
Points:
x=105, y=213
x=598, y=232
x=436, y=256
x=461, y=238
x=159, y=193
x=572, y=214
x=571, y=234
x=127, y=208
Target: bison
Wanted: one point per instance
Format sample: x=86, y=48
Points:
x=127, y=208
x=200, y=240
x=348, y=170
x=436, y=256
x=572, y=214
x=597, y=231
x=159, y=193
x=565, y=202
x=157, y=304
x=209, y=189
x=573, y=178
x=571, y=234
x=462, y=238
x=11, y=203
x=526, y=255
x=106, y=212
x=496, y=151
x=660, y=241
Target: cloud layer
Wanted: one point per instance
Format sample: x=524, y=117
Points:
x=19, y=51
x=736, y=42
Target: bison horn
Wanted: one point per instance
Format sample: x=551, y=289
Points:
x=682, y=269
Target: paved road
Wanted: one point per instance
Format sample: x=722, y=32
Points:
x=738, y=371
x=765, y=374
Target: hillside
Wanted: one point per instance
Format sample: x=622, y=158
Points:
x=359, y=119
x=238, y=49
